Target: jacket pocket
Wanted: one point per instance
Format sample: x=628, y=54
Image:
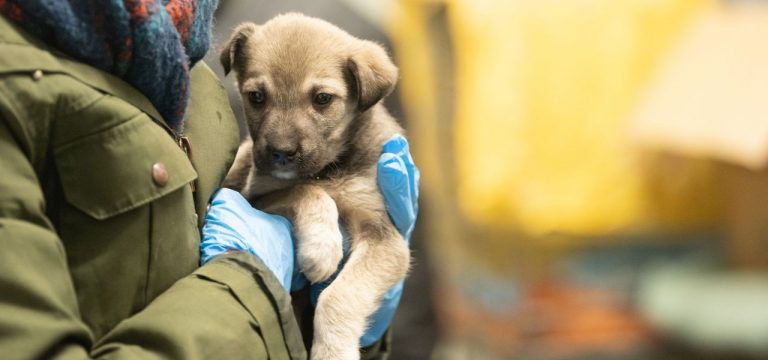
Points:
x=111, y=171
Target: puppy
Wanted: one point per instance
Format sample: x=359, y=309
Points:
x=311, y=95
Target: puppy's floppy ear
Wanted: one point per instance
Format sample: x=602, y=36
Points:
x=231, y=50
x=374, y=74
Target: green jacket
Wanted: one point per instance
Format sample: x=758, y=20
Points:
x=98, y=251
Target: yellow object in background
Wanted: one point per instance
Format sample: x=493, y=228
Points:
x=543, y=201
x=537, y=135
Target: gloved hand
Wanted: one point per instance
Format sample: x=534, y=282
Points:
x=398, y=179
x=232, y=224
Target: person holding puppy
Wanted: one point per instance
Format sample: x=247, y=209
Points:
x=113, y=139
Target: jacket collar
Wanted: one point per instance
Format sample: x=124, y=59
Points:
x=23, y=53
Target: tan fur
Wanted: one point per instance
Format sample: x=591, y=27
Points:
x=290, y=59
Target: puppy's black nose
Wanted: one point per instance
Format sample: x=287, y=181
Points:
x=282, y=156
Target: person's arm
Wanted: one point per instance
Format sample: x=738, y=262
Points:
x=233, y=307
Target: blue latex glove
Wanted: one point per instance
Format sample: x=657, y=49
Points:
x=232, y=224
x=398, y=180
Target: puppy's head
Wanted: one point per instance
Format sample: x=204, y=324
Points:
x=304, y=82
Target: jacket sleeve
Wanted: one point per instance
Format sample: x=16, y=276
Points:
x=231, y=308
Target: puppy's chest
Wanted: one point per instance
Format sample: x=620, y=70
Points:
x=349, y=189
x=339, y=171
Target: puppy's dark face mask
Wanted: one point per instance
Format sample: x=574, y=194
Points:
x=298, y=122
x=304, y=83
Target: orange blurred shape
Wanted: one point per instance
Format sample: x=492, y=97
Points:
x=553, y=320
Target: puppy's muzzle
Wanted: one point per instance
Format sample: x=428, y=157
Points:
x=282, y=158
x=283, y=161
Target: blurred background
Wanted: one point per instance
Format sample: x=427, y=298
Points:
x=594, y=180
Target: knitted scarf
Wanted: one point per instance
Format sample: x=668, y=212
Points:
x=150, y=44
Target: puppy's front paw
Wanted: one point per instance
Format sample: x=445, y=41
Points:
x=319, y=250
x=325, y=351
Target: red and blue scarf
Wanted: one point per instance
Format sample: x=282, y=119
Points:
x=151, y=44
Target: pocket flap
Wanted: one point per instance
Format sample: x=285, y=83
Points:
x=111, y=172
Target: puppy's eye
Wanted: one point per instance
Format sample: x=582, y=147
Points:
x=323, y=98
x=256, y=97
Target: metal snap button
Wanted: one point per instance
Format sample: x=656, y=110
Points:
x=37, y=75
x=159, y=174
